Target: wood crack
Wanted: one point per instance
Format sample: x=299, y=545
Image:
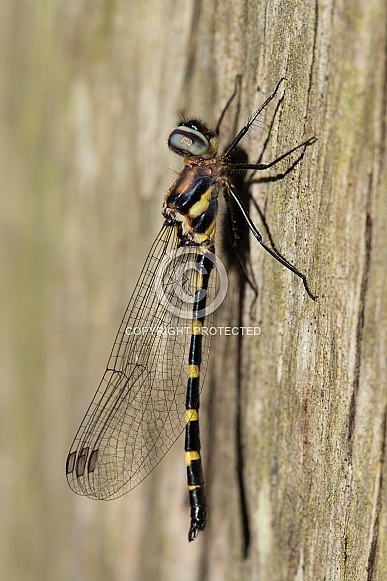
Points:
x=372, y=557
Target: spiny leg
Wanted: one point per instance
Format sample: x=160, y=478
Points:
x=262, y=166
x=258, y=236
x=234, y=238
x=245, y=129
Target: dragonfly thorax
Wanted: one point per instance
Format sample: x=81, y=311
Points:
x=192, y=203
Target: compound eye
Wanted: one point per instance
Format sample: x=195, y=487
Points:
x=188, y=139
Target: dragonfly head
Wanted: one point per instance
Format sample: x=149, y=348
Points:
x=193, y=139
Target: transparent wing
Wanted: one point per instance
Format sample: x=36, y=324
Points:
x=138, y=411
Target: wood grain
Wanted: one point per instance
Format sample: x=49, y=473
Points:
x=294, y=420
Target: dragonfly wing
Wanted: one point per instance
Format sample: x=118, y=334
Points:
x=138, y=411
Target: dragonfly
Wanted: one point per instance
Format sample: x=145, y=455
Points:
x=150, y=391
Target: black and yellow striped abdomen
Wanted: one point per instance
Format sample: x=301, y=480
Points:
x=192, y=203
x=195, y=479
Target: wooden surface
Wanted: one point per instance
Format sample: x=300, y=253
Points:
x=294, y=420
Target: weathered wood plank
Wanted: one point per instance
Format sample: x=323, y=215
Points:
x=294, y=439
